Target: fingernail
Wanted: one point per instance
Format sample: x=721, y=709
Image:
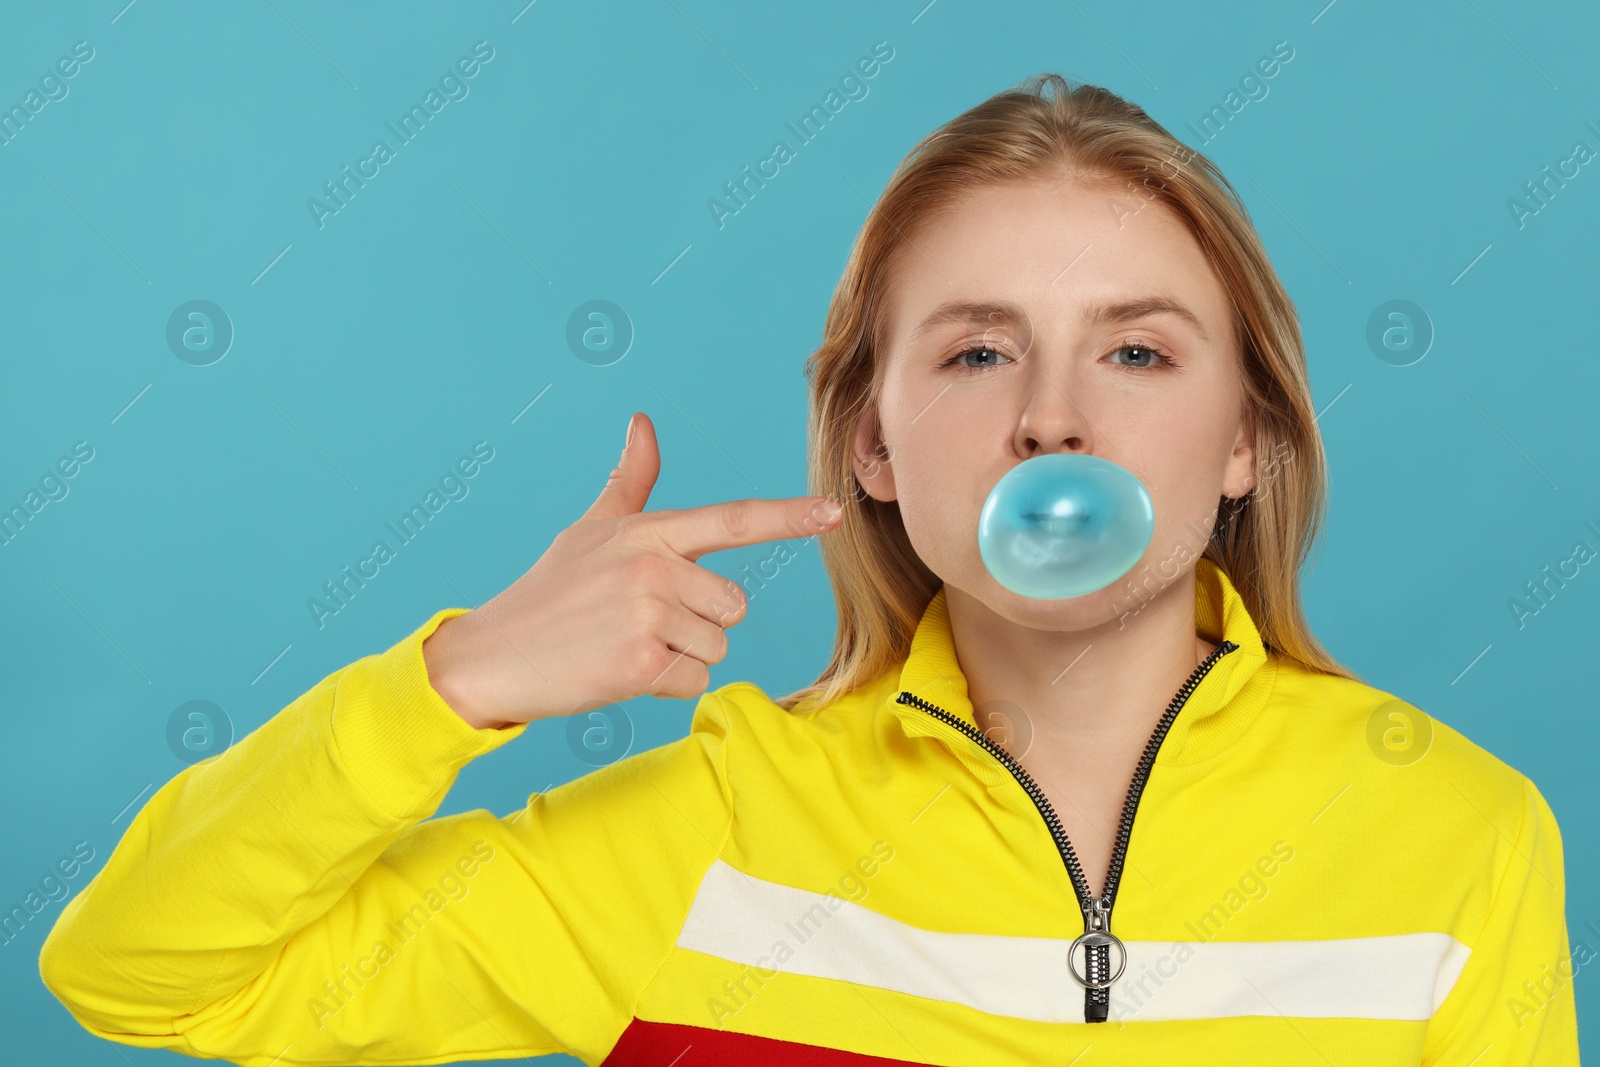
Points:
x=830, y=510
x=629, y=439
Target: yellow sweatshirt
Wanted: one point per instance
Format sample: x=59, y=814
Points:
x=869, y=882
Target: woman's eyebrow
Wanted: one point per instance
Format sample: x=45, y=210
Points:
x=1006, y=313
x=1142, y=307
x=973, y=313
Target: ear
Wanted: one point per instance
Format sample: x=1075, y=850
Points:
x=871, y=458
x=1240, y=477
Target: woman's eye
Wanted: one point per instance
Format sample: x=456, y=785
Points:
x=961, y=359
x=1146, y=357
x=980, y=358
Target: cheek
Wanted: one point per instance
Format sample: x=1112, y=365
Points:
x=943, y=529
x=1182, y=466
x=1185, y=515
x=938, y=480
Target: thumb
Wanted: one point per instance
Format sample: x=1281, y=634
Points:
x=628, y=488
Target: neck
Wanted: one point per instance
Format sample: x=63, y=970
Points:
x=1083, y=697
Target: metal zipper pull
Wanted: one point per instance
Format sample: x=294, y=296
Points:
x=1098, y=915
x=1096, y=941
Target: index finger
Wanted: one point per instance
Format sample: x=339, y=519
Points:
x=694, y=532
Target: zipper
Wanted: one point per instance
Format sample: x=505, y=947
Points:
x=1097, y=940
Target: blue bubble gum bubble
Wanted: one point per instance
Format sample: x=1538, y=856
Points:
x=1063, y=525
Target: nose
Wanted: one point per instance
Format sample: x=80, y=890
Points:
x=1051, y=421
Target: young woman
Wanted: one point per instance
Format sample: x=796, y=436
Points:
x=1156, y=823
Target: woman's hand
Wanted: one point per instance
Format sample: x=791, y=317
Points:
x=615, y=608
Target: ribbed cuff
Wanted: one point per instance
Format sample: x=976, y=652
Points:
x=396, y=734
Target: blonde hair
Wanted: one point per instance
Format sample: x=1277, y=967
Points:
x=881, y=587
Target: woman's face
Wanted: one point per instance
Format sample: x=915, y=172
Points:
x=1068, y=291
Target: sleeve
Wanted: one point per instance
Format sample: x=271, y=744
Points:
x=289, y=901
x=1513, y=1002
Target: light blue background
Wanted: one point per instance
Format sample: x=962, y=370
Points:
x=376, y=350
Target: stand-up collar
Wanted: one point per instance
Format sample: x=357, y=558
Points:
x=1217, y=712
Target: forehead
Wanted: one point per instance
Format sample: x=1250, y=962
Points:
x=1056, y=246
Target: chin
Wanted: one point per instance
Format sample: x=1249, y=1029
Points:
x=1067, y=615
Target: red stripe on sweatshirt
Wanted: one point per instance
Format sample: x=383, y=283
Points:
x=648, y=1044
